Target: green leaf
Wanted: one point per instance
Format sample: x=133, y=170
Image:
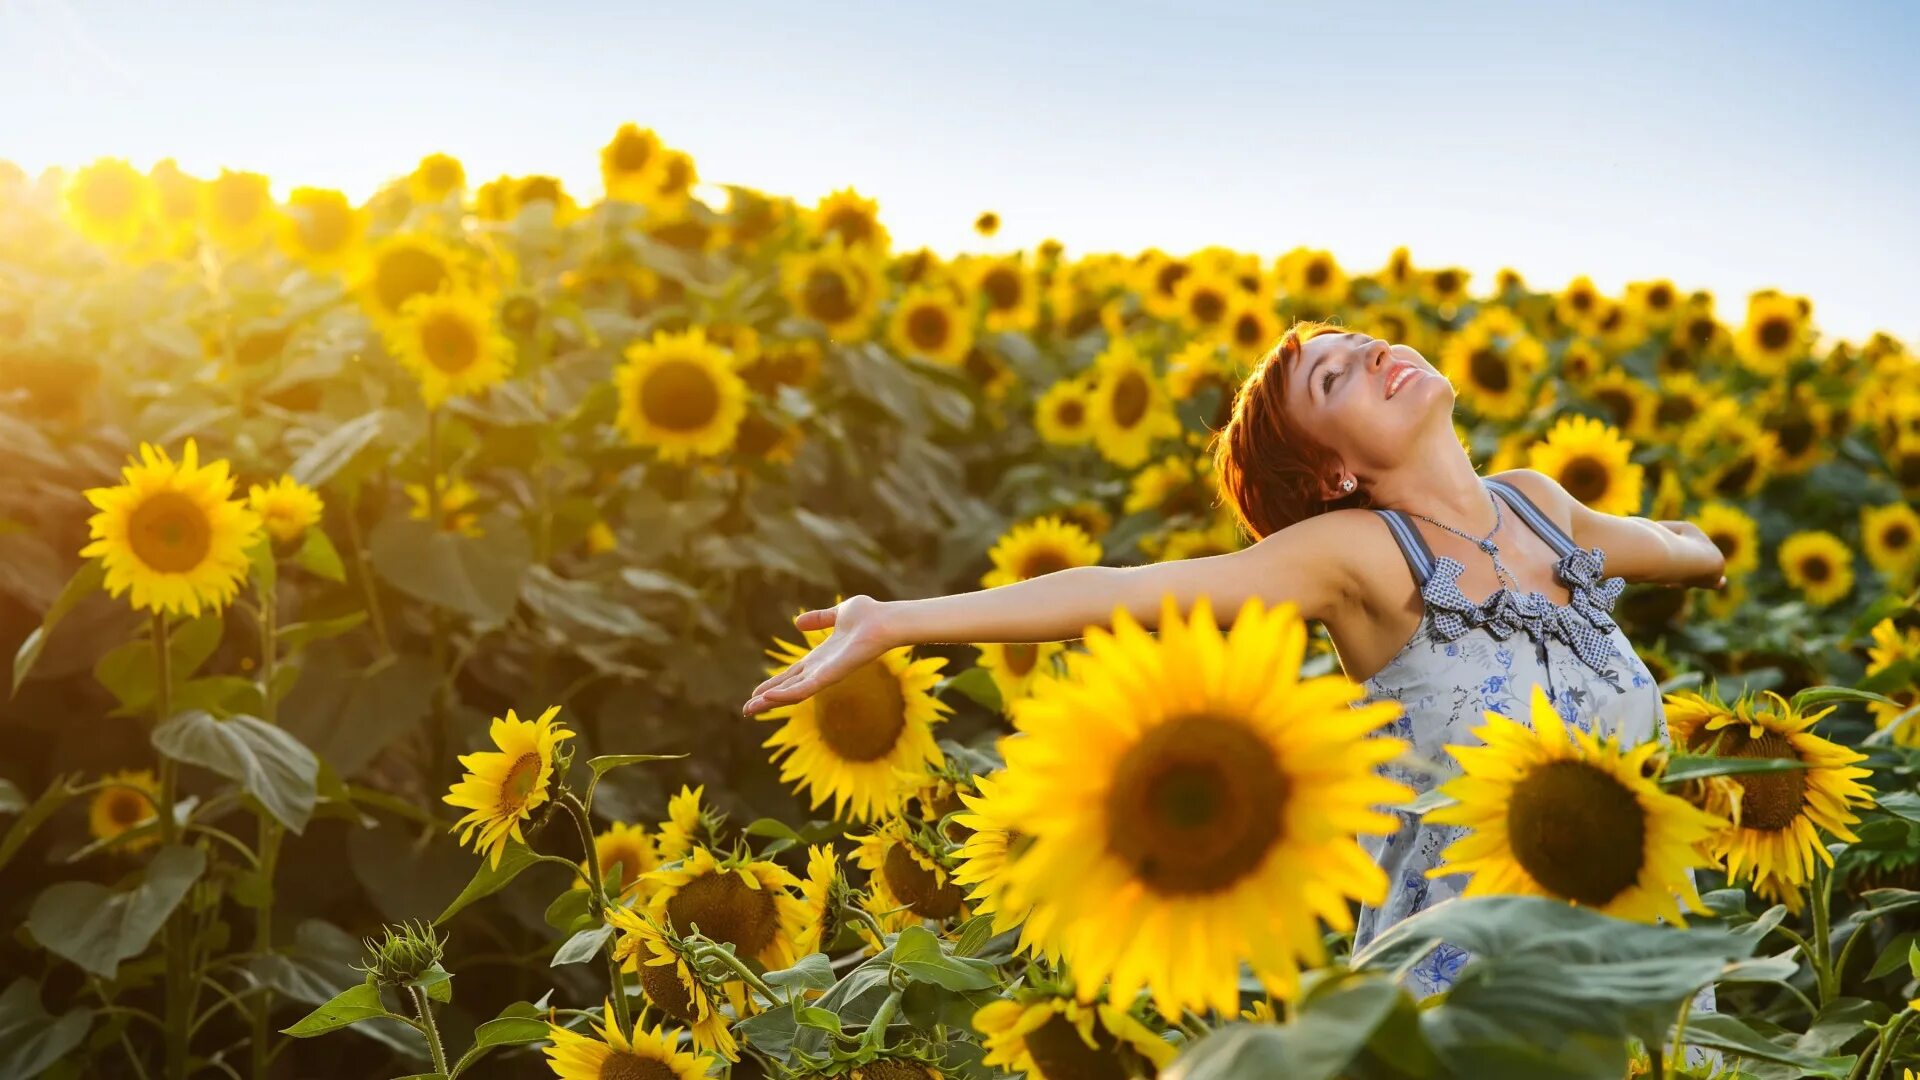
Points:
x=347, y=714
x=294, y=636
x=266, y=572
x=917, y=954
x=810, y=972
x=130, y=675
x=1814, y=696
x=1684, y=767
x=1321, y=1043
x=568, y=909
x=84, y=582
x=478, y=577
x=1729, y=1034
x=332, y=451
x=490, y=879
x=12, y=799
x=97, y=927
x=267, y=762
x=582, y=608
x=44, y=807
x=1428, y=801
x=350, y=1006
x=318, y=556
x=1904, y=804
x=582, y=946
x=1893, y=957
x=437, y=982
x=503, y=1031
x=771, y=1032
x=606, y=762
x=31, y=1040
x=977, y=684
x=814, y=1017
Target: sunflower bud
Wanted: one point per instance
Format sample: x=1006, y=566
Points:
x=409, y=951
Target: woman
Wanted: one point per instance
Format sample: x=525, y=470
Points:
x=1341, y=460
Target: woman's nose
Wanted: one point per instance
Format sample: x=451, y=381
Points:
x=1382, y=352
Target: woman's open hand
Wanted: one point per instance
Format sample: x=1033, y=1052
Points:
x=1714, y=576
x=859, y=636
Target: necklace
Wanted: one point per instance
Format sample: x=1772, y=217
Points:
x=1484, y=543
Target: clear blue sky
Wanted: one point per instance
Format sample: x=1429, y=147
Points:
x=1728, y=146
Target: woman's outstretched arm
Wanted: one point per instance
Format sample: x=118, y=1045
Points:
x=1306, y=564
x=1638, y=549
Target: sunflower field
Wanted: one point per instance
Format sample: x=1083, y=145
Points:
x=382, y=583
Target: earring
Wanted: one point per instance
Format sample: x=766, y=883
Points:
x=1347, y=484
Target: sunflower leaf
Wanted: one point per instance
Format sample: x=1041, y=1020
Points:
x=490, y=879
x=811, y=972
x=350, y=1006
x=268, y=762
x=1820, y=695
x=318, y=556
x=31, y=817
x=1729, y=1034
x=332, y=451
x=30, y=1038
x=605, y=762
x=582, y=946
x=96, y=927
x=296, y=635
x=1320, y=1043
x=976, y=683
x=501, y=1031
x=84, y=582
x=918, y=955
x=1684, y=767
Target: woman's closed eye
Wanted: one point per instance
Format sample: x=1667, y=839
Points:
x=1326, y=382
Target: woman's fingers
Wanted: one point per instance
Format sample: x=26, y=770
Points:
x=817, y=619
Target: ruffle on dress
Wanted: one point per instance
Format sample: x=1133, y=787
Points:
x=1584, y=622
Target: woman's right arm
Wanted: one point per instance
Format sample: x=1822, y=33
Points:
x=1307, y=564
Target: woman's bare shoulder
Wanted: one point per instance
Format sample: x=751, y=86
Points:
x=1544, y=490
x=1352, y=546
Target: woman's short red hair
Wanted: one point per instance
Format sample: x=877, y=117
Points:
x=1270, y=469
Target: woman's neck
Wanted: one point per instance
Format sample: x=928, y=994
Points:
x=1438, y=480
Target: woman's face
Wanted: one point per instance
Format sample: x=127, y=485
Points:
x=1368, y=400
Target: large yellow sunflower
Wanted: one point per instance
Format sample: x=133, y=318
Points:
x=1892, y=646
x=1193, y=804
x=1819, y=564
x=747, y=903
x=1064, y=414
x=1010, y=295
x=287, y=508
x=501, y=789
x=1493, y=367
x=1592, y=462
x=906, y=880
x=851, y=219
x=1774, y=335
x=680, y=394
x=238, y=209
x=321, y=229
x=1628, y=402
x=1313, y=279
x=1800, y=423
x=436, y=177
x=822, y=893
x=1556, y=812
x=451, y=342
x=1891, y=536
x=980, y=865
x=631, y=163
x=669, y=983
x=1131, y=409
x=650, y=1055
x=172, y=533
x=1207, y=298
x=1781, y=813
x=402, y=267
x=930, y=324
x=124, y=806
x=1683, y=398
x=1014, y=665
x=1735, y=533
x=630, y=848
x=837, y=287
x=1057, y=1038
x=865, y=740
x=1730, y=455
x=1251, y=328
x=1041, y=546
x=110, y=202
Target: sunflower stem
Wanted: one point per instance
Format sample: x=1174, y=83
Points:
x=876, y=1032
x=1820, y=896
x=269, y=837
x=429, y=1028
x=178, y=986
x=622, y=1014
x=597, y=893
x=363, y=567
x=1680, y=1034
x=741, y=969
x=1890, y=1038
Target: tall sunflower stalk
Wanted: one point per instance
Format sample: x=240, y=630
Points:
x=179, y=988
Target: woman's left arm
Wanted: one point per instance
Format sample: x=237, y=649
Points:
x=1638, y=549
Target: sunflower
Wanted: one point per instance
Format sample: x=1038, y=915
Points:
x=906, y=880
x=1774, y=335
x=1549, y=809
x=1683, y=398
x=630, y=848
x=1591, y=461
x=669, y=982
x=1800, y=422
x=1220, y=538
x=287, y=508
x=125, y=804
x=1194, y=804
x=1009, y=292
x=1628, y=403
x=1131, y=410
x=822, y=892
x=502, y=789
x=1735, y=533
x=1579, y=305
x=1157, y=279
x=680, y=394
x=110, y=202
x=650, y=1055
x=1891, y=535
x=1159, y=484
x=1730, y=454
x=850, y=219
x=1781, y=813
x=857, y=740
x=980, y=864
x=177, y=202
x=930, y=324
x=669, y=197
x=455, y=497
x=1064, y=414
x=1250, y=329
x=238, y=209
x=1195, y=367
x=452, y=343
x=1206, y=300
x=1013, y=665
x=321, y=229
x=1493, y=367
x=1655, y=304
x=402, y=267
x=747, y=903
x=1041, y=546
x=1892, y=646
x=987, y=223
x=1313, y=279
x=1819, y=564
x=631, y=163
x=436, y=177
x=836, y=287
x=172, y=533
x=1057, y=1038
x=1580, y=362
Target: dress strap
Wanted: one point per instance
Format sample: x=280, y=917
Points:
x=1555, y=537
x=1419, y=556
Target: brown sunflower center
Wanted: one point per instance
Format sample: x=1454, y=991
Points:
x=126, y=808
x=449, y=342
x=1046, y=560
x=1130, y=396
x=1168, y=277
x=1578, y=831
x=726, y=909
x=1071, y=413
x=853, y=224
x=1062, y=1054
x=170, y=533
x=517, y=786
x=928, y=327
x=891, y=1069
x=918, y=887
x=628, y=857
x=1619, y=404
x=1247, y=331
x=1728, y=543
x=1775, y=333
x=1003, y=288
x=631, y=152
x=1208, y=306
x=861, y=717
x=662, y=985
x=1816, y=568
x=627, y=1065
x=1020, y=657
x=405, y=273
x=1897, y=537
x=1659, y=298
x=1196, y=804
x=679, y=395
x=1676, y=409
x=1586, y=479
x=1490, y=371
x=828, y=297
x=1581, y=300
x=1738, y=475
x=1318, y=273
x=1445, y=282
x=1768, y=801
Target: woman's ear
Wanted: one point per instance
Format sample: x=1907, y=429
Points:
x=1340, y=488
